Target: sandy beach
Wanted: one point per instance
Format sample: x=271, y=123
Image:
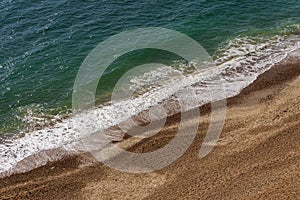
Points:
x=257, y=156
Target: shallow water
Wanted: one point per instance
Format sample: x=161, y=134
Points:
x=44, y=43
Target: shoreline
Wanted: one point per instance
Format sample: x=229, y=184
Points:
x=48, y=181
x=48, y=138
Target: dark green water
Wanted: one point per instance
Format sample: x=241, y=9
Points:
x=43, y=43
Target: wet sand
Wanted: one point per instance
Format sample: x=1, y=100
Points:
x=257, y=155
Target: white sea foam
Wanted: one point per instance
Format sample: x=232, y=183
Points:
x=239, y=64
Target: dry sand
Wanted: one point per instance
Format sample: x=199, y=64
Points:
x=257, y=156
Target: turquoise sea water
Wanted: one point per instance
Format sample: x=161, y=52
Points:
x=43, y=43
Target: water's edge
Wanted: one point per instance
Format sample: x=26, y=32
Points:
x=236, y=70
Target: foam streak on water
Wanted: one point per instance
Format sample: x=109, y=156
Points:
x=238, y=66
